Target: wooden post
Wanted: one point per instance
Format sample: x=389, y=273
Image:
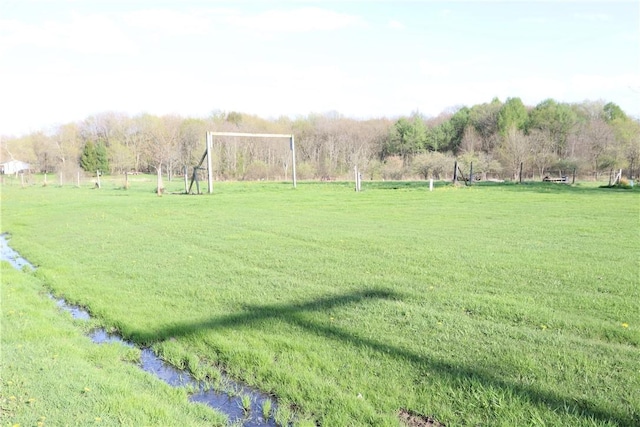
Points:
x=186, y=191
x=293, y=160
x=209, y=162
x=78, y=179
x=126, y=180
x=159, y=171
x=471, y=174
x=573, y=179
x=520, y=174
x=98, y=177
x=431, y=184
x=45, y=179
x=455, y=171
x=355, y=176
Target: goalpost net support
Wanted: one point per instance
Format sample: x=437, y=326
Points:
x=208, y=154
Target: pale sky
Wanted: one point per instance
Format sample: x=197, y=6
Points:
x=64, y=60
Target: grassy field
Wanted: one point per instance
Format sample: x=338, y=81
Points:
x=52, y=375
x=489, y=305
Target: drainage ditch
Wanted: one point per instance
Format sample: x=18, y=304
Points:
x=232, y=400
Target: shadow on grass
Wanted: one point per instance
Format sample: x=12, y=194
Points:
x=295, y=315
x=555, y=188
x=535, y=186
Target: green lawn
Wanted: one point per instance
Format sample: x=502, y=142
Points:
x=52, y=375
x=489, y=305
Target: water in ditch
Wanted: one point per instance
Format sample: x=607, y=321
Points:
x=229, y=403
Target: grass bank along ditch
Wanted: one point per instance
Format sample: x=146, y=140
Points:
x=485, y=305
x=241, y=404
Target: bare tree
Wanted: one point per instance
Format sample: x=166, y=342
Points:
x=515, y=148
x=600, y=148
x=191, y=142
x=45, y=152
x=163, y=136
x=542, y=152
x=68, y=146
x=471, y=140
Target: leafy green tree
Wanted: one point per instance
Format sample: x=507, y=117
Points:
x=458, y=122
x=439, y=137
x=558, y=119
x=512, y=114
x=484, y=119
x=408, y=136
x=613, y=112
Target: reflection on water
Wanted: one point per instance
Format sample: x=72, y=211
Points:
x=228, y=398
x=76, y=312
x=11, y=256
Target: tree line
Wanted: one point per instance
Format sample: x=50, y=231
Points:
x=551, y=138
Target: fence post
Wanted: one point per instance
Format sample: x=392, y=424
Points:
x=186, y=191
x=520, y=175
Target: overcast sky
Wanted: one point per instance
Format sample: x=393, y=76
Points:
x=61, y=61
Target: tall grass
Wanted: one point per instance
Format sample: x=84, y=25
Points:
x=490, y=305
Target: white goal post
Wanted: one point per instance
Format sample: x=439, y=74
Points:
x=210, y=135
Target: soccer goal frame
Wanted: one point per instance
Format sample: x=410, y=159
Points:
x=209, y=152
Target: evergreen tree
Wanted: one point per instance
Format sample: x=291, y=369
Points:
x=102, y=160
x=88, y=159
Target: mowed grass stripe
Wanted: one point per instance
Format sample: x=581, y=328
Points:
x=496, y=305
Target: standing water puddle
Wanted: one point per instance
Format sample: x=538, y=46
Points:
x=229, y=403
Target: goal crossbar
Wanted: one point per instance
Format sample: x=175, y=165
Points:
x=209, y=152
x=257, y=135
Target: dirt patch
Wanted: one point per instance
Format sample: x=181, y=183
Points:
x=412, y=419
